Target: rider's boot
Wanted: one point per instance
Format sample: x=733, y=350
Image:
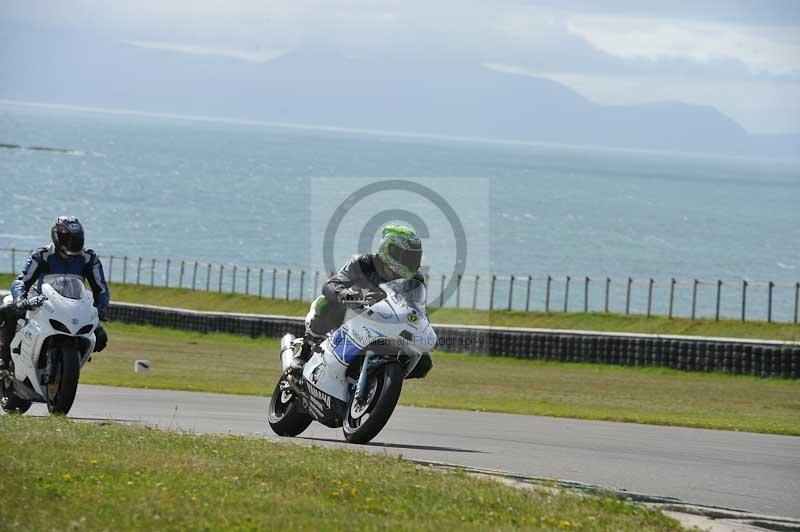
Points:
x=299, y=361
x=310, y=342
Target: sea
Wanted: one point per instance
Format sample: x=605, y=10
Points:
x=305, y=198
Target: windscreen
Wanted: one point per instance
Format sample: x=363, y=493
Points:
x=409, y=292
x=68, y=286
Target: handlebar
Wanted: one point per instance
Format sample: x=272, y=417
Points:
x=357, y=303
x=32, y=303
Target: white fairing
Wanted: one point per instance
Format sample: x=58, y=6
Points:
x=325, y=373
x=399, y=319
x=68, y=303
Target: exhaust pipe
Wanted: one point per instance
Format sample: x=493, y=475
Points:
x=287, y=350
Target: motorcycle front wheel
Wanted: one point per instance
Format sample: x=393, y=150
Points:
x=365, y=420
x=64, y=382
x=284, y=418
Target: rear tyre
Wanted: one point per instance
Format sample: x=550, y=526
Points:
x=364, y=422
x=10, y=403
x=64, y=385
x=284, y=418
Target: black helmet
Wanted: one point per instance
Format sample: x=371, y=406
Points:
x=67, y=235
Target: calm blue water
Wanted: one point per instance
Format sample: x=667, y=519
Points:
x=262, y=197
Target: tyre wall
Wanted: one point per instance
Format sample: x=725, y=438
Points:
x=739, y=357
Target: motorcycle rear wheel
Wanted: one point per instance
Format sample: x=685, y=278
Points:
x=283, y=417
x=362, y=423
x=66, y=377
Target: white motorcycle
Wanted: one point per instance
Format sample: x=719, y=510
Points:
x=354, y=378
x=52, y=343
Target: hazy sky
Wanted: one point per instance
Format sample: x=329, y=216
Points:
x=742, y=57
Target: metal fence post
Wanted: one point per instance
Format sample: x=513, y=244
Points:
x=166, y=278
x=13, y=260
x=475, y=292
x=316, y=284
x=233, y=283
x=566, y=293
x=528, y=294
x=458, y=291
x=180, y=278
x=650, y=297
x=744, y=300
x=152, y=272
x=288, y=280
x=247, y=281
x=796, y=300
x=260, y=282
x=510, y=291
x=547, y=294
x=125, y=269
x=274, y=276
x=694, y=298
x=719, y=292
x=302, y=282
x=671, y=296
x=208, y=278
x=770, y=286
x=441, y=293
x=221, y=269
x=491, y=293
x=608, y=289
x=111, y=269
x=194, y=275
x=138, y=270
x=628, y=297
x=586, y=294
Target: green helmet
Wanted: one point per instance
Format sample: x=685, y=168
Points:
x=400, y=250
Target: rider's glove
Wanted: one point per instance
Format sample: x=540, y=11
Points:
x=348, y=294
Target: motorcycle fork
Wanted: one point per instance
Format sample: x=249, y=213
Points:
x=47, y=374
x=370, y=361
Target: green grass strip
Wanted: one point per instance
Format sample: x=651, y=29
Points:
x=57, y=474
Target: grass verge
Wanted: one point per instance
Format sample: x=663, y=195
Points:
x=61, y=474
x=212, y=301
x=232, y=364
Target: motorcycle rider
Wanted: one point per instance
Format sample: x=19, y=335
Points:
x=399, y=256
x=65, y=255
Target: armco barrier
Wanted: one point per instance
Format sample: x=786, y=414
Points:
x=763, y=358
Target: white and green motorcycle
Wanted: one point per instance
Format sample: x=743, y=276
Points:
x=355, y=377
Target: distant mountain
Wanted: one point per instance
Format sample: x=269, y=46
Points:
x=317, y=87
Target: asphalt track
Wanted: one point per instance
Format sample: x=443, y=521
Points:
x=753, y=472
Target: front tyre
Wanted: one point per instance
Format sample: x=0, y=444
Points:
x=64, y=382
x=284, y=417
x=10, y=403
x=364, y=421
